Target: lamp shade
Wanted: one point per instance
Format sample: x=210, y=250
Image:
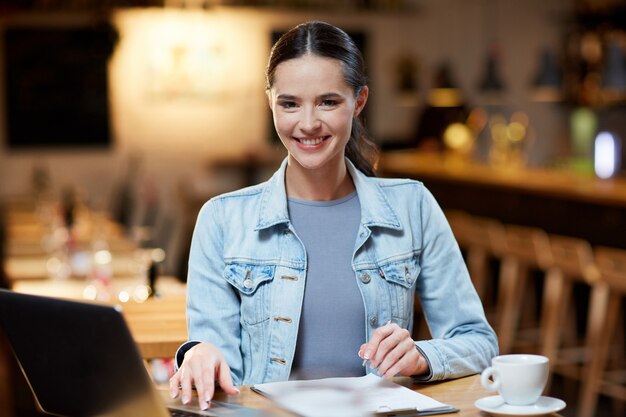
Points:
x=549, y=74
x=491, y=81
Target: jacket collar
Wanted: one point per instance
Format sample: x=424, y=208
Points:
x=375, y=208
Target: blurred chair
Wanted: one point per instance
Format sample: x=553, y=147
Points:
x=480, y=239
x=525, y=250
x=572, y=265
x=602, y=376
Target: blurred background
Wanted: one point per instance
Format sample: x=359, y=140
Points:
x=120, y=118
x=157, y=100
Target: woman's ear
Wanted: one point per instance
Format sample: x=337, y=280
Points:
x=269, y=99
x=361, y=99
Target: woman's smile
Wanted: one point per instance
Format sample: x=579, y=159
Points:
x=311, y=142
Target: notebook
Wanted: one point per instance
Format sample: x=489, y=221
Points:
x=369, y=395
x=80, y=359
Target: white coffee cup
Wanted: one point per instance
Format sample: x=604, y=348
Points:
x=518, y=378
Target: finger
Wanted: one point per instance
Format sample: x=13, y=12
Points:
x=225, y=380
x=174, y=385
x=394, y=354
x=379, y=334
x=406, y=362
x=389, y=366
x=388, y=344
x=362, y=350
x=205, y=386
x=185, y=383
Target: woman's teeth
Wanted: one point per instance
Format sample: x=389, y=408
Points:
x=311, y=142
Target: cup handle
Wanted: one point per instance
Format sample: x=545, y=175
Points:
x=490, y=372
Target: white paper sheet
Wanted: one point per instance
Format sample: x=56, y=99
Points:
x=346, y=397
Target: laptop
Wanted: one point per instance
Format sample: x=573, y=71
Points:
x=80, y=359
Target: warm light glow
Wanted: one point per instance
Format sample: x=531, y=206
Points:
x=102, y=257
x=458, y=137
x=516, y=132
x=58, y=268
x=606, y=155
x=158, y=255
x=123, y=296
x=445, y=97
x=181, y=80
x=141, y=293
x=90, y=292
x=184, y=55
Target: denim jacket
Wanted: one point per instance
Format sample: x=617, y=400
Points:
x=247, y=270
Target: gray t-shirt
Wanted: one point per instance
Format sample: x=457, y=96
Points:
x=332, y=324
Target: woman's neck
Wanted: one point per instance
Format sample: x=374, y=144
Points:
x=330, y=183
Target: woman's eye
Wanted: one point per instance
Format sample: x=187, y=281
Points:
x=287, y=104
x=329, y=103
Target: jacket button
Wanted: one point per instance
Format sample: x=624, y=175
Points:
x=365, y=278
x=373, y=321
x=247, y=283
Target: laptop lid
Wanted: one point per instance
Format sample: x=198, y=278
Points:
x=78, y=358
x=81, y=360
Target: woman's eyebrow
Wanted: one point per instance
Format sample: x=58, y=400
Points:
x=286, y=97
x=321, y=96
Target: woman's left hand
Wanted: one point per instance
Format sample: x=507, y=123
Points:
x=392, y=351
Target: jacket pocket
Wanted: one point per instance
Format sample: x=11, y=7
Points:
x=400, y=277
x=253, y=282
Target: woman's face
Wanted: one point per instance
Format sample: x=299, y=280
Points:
x=313, y=108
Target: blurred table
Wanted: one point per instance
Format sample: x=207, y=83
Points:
x=38, y=244
x=157, y=323
x=36, y=267
x=558, y=201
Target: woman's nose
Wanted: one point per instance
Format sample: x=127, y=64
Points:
x=310, y=120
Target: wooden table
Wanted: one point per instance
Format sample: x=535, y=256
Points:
x=157, y=324
x=559, y=201
x=35, y=267
x=460, y=393
x=34, y=239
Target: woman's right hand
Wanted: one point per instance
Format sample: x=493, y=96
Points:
x=203, y=366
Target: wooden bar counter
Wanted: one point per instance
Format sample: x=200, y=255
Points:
x=560, y=202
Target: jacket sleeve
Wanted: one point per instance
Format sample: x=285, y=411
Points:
x=463, y=342
x=213, y=305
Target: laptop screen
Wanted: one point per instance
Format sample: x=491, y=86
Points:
x=78, y=358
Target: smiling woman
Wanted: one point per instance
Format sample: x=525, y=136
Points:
x=314, y=273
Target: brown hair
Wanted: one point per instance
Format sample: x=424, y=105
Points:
x=325, y=40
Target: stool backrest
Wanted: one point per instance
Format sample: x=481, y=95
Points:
x=479, y=232
x=529, y=245
x=611, y=265
x=573, y=256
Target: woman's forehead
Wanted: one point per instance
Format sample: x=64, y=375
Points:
x=309, y=71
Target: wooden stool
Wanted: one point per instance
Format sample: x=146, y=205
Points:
x=572, y=262
x=480, y=238
x=525, y=248
x=608, y=294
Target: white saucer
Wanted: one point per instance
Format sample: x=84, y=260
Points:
x=496, y=406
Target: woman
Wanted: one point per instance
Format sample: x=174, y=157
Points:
x=313, y=273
